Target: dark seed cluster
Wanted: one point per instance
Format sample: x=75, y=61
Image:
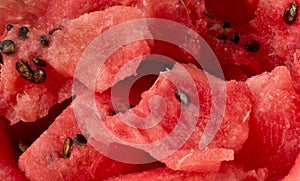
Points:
x=291, y=13
x=23, y=32
x=36, y=76
x=252, y=46
x=182, y=97
x=8, y=47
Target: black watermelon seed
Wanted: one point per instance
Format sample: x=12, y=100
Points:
x=23, y=32
x=24, y=70
x=235, y=38
x=252, y=46
x=44, y=41
x=66, y=151
x=8, y=47
x=222, y=37
x=39, y=62
x=290, y=13
x=226, y=24
x=80, y=140
x=182, y=97
x=39, y=76
x=23, y=145
x=53, y=31
x=1, y=59
x=9, y=27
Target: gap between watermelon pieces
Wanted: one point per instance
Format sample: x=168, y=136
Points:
x=274, y=140
x=229, y=139
x=227, y=172
x=8, y=165
x=84, y=163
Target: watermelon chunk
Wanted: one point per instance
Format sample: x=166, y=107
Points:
x=84, y=163
x=20, y=98
x=226, y=172
x=233, y=130
x=273, y=140
x=95, y=24
x=8, y=164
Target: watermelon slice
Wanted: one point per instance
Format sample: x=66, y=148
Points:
x=232, y=134
x=84, y=163
x=274, y=140
x=226, y=172
x=8, y=165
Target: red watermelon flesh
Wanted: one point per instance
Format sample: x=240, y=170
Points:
x=226, y=172
x=294, y=173
x=28, y=132
x=274, y=123
x=238, y=18
x=50, y=11
x=272, y=30
x=194, y=15
x=14, y=11
x=20, y=98
x=8, y=166
x=84, y=163
x=296, y=70
x=95, y=24
x=230, y=137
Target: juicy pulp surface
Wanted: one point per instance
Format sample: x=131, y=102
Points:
x=84, y=163
x=95, y=24
x=273, y=140
x=230, y=137
x=20, y=98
